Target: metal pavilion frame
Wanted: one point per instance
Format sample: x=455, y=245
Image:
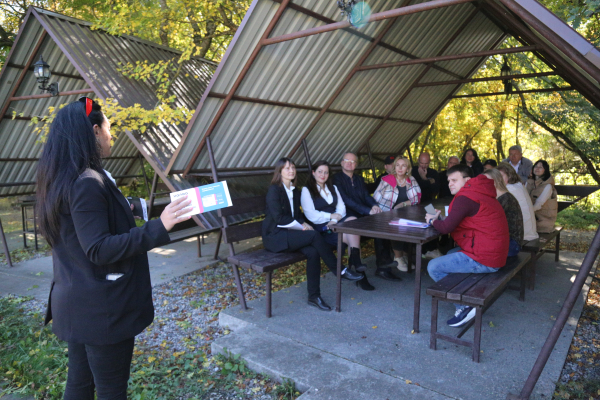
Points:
x=483, y=6
x=514, y=17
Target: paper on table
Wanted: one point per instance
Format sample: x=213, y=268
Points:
x=292, y=225
x=409, y=223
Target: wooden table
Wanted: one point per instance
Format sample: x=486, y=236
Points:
x=377, y=226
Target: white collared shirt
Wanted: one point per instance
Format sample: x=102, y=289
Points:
x=321, y=217
x=516, y=167
x=290, y=194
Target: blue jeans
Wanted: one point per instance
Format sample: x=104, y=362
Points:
x=513, y=248
x=453, y=262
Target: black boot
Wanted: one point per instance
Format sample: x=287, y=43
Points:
x=355, y=261
x=364, y=284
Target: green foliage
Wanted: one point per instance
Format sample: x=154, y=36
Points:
x=286, y=390
x=176, y=376
x=588, y=389
x=576, y=218
x=33, y=362
x=32, y=359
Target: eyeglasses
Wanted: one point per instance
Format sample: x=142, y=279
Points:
x=350, y=161
x=88, y=104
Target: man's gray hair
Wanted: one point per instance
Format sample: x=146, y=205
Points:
x=454, y=157
x=516, y=147
x=349, y=152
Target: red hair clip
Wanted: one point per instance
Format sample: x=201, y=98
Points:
x=88, y=105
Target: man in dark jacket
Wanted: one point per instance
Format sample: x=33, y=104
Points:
x=444, y=189
x=359, y=203
x=427, y=178
x=477, y=223
x=388, y=164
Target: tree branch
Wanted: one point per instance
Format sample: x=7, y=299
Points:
x=562, y=139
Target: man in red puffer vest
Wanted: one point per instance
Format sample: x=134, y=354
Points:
x=477, y=223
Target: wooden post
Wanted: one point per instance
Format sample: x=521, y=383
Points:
x=5, y=244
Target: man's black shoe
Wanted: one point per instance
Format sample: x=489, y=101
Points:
x=319, y=303
x=387, y=275
x=351, y=275
x=388, y=264
x=364, y=284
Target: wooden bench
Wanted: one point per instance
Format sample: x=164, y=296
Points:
x=183, y=230
x=479, y=291
x=261, y=261
x=537, y=249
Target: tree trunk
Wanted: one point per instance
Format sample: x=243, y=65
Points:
x=497, y=135
x=164, y=22
x=427, y=138
x=562, y=139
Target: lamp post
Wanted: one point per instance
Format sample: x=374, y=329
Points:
x=505, y=71
x=42, y=73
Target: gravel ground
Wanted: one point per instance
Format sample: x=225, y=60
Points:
x=580, y=377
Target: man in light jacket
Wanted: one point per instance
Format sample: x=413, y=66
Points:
x=522, y=165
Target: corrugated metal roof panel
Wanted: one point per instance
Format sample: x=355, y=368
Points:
x=344, y=133
x=392, y=136
x=98, y=55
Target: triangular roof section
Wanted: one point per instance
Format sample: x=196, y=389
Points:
x=85, y=62
x=297, y=76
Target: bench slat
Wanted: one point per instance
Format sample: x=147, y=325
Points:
x=491, y=284
x=441, y=287
x=186, y=233
x=235, y=233
x=245, y=205
x=456, y=292
x=265, y=261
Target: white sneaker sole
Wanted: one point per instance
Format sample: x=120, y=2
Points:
x=469, y=317
x=402, y=267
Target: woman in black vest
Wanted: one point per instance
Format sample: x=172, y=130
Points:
x=284, y=229
x=323, y=206
x=101, y=295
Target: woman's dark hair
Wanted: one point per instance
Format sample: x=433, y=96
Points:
x=70, y=149
x=278, y=167
x=313, y=186
x=491, y=163
x=463, y=160
x=547, y=174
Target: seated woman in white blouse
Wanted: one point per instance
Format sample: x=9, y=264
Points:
x=323, y=206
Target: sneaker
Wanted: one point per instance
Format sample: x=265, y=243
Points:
x=462, y=316
x=405, y=258
x=433, y=254
x=402, y=265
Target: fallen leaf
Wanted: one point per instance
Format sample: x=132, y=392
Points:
x=491, y=324
x=413, y=331
x=375, y=327
x=408, y=382
x=359, y=303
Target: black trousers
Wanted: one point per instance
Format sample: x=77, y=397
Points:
x=383, y=255
x=103, y=368
x=314, y=247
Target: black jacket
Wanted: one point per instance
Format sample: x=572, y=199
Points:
x=355, y=194
x=428, y=189
x=278, y=212
x=98, y=236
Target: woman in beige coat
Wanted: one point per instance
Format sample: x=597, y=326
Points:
x=544, y=197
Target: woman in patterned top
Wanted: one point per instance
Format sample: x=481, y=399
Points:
x=399, y=189
x=512, y=210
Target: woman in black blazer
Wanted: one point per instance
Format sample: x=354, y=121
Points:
x=100, y=296
x=283, y=208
